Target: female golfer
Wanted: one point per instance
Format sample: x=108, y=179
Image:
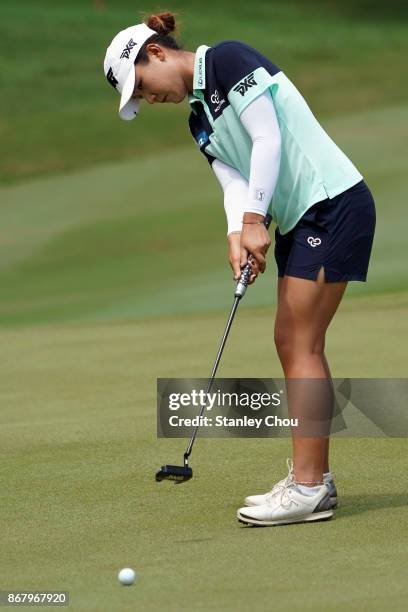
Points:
x=269, y=152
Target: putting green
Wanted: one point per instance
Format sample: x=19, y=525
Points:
x=79, y=452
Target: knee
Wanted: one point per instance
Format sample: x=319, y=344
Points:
x=291, y=345
x=282, y=339
x=284, y=342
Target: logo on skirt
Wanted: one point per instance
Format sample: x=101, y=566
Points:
x=314, y=241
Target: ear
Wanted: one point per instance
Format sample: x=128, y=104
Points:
x=156, y=52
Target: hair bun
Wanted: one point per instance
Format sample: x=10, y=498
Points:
x=162, y=23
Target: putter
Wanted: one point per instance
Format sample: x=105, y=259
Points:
x=179, y=474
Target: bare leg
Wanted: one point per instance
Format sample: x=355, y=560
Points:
x=305, y=309
x=326, y=467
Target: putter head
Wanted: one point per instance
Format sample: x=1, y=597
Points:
x=175, y=473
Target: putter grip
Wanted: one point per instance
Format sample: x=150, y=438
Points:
x=242, y=284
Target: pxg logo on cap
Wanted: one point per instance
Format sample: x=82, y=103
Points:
x=111, y=78
x=126, y=51
x=124, y=55
x=119, y=66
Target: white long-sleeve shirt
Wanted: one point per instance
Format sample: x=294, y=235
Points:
x=260, y=121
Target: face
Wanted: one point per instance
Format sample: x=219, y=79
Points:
x=160, y=80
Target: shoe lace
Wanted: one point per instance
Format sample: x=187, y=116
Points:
x=281, y=487
x=286, y=499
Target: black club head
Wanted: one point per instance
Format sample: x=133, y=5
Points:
x=177, y=474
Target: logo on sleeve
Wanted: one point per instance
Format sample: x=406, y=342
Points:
x=126, y=51
x=200, y=70
x=244, y=85
x=111, y=78
x=202, y=138
x=260, y=195
x=215, y=99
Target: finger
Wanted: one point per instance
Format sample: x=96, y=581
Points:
x=254, y=265
x=244, y=257
x=235, y=268
x=260, y=260
x=254, y=268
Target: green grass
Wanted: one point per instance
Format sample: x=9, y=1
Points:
x=59, y=114
x=79, y=454
x=104, y=244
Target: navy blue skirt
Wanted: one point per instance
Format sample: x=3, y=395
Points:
x=336, y=234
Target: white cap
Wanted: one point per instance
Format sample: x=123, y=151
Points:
x=119, y=69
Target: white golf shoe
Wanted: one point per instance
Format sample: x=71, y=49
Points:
x=288, y=505
x=259, y=500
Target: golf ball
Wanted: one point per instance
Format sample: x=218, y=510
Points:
x=127, y=576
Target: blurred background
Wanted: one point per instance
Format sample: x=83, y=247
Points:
x=101, y=218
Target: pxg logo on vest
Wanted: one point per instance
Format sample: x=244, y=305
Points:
x=126, y=51
x=244, y=85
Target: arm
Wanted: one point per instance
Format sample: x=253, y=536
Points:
x=235, y=189
x=235, y=196
x=250, y=202
x=260, y=121
x=246, y=78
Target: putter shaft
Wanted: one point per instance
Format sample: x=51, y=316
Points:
x=213, y=373
x=239, y=293
x=180, y=474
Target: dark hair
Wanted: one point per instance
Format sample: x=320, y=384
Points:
x=163, y=24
